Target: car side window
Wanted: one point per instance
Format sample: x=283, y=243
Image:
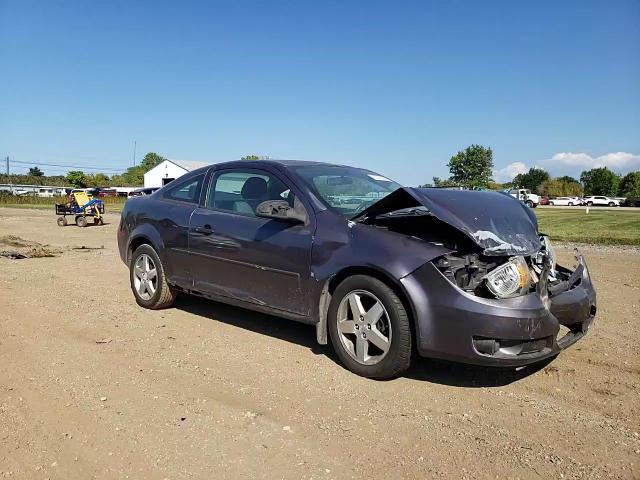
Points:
x=187, y=190
x=241, y=191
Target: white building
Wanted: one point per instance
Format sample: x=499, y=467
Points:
x=169, y=170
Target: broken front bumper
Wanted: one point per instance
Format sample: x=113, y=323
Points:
x=456, y=325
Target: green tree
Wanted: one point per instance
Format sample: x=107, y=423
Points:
x=568, y=179
x=250, y=157
x=151, y=160
x=134, y=176
x=36, y=172
x=531, y=180
x=54, y=180
x=630, y=185
x=77, y=178
x=97, y=180
x=472, y=166
x=600, y=181
x=441, y=183
x=116, y=181
x=494, y=185
x=559, y=187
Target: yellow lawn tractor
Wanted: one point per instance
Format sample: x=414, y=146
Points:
x=81, y=204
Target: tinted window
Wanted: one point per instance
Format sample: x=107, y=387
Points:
x=241, y=191
x=186, y=191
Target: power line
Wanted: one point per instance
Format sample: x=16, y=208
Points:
x=85, y=167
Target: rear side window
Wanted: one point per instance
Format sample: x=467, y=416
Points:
x=187, y=190
x=241, y=191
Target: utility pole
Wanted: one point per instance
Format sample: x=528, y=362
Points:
x=135, y=144
x=9, y=178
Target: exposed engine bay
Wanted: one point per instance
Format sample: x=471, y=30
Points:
x=469, y=267
x=471, y=272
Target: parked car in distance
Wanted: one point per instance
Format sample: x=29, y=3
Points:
x=105, y=192
x=601, y=200
x=139, y=192
x=531, y=200
x=46, y=192
x=380, y=270
x=565, y=201
x=631, y=202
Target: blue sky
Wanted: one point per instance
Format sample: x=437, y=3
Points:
x=397, y=86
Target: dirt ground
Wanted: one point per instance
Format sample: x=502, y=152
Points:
x=92, y=386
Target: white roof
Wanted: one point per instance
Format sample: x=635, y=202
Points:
x=188, y=164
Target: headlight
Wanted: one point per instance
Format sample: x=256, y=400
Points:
x=509, y=280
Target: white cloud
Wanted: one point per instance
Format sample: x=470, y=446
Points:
x=508, y=173
x=570, y=163
x=621, y=162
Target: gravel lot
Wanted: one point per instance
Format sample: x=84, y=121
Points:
x=92, y=386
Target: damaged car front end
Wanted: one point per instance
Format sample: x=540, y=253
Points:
x=497, y=297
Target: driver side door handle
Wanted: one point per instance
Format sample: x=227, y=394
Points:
x=205, y=229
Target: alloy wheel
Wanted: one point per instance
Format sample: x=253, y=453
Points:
x=145, y=277
x=364, y=327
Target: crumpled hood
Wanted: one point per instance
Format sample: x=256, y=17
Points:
x=495, y=221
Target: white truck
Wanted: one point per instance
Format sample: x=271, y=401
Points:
x=602, y=201
x=524, y=195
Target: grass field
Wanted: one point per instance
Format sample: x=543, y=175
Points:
x=608, y=227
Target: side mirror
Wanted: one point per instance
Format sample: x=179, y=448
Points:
x=281, y=210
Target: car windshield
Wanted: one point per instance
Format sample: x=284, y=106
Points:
x=346, y=190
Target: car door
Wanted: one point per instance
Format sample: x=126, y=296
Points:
x=239, y=255
x=171, y=217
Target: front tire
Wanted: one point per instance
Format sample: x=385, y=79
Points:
x=551, y=204
x=612, y=204
x=589, y=204
x=148, y=281
x=369, y=328
x=530, y=204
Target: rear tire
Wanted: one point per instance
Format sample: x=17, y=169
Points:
x=81, y=221
x=348, y=330
x=148, y=281
x=570, y=204
x=62, y=221
x=612, y=204
x=589, y=204
x=551, y=204
x=530, y=204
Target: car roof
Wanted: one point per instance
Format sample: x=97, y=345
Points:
x=271, y=162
